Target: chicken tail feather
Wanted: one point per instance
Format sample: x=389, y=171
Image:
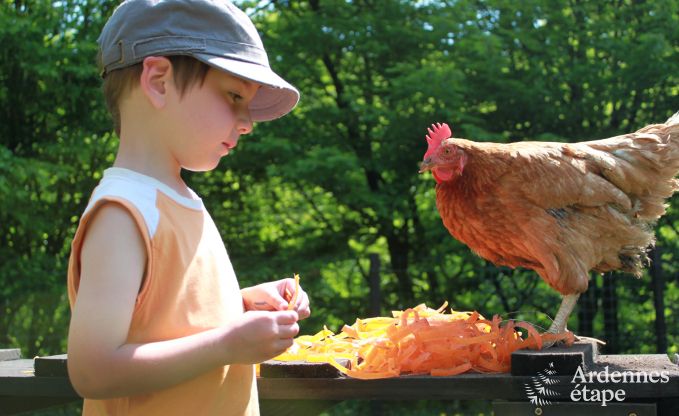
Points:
x=643, y=165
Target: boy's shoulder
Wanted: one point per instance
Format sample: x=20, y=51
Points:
x=122, y=184
x=139, y=194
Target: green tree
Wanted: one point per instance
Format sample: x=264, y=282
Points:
x=54, y=136
x=373, y=75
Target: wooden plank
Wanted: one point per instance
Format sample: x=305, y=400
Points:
x=56, y=366
x=17, y=379
x=10, y=354
x=16, y=368
x=464, y=387
x=474, y=386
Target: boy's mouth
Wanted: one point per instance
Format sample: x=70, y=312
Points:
x=226, y=148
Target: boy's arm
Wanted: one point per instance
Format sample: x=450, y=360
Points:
x=102, y=365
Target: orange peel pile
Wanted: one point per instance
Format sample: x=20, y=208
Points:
x=420, y=340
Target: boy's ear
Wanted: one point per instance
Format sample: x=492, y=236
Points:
x=155, y=79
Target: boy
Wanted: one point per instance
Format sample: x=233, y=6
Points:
x=159, y=325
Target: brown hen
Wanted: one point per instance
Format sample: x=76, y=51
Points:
x=560, y=209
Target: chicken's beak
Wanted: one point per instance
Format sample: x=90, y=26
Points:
x=426, y=165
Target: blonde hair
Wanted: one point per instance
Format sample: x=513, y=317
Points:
x=187, y=71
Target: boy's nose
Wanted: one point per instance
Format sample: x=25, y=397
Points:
x=245, y=127
x=244, y=122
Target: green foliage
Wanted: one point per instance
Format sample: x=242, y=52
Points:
x=373, y=77
x=318, y=191
x=54, y=138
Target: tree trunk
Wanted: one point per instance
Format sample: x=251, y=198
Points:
x=434, y=288
x=375, y=301
x=610, y=309
x=397, y=242
x=658, y=286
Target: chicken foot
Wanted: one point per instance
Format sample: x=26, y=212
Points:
x=560, y=321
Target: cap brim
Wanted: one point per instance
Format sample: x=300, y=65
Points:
x=275, y=98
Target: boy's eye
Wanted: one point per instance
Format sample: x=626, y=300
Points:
x=235, y=97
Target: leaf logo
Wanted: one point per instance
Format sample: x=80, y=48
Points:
x=537, y=389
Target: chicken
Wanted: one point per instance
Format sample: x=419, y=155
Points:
x=560, y=209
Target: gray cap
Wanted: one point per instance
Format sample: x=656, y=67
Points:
x=214, y=32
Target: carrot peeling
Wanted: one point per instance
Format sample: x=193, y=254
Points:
x=293, y=298
x=421, y=340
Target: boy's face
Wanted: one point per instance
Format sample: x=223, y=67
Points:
x=208, y=120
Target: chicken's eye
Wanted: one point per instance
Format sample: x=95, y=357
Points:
x=446, y=151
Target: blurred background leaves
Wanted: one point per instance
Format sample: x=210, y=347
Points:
x=332, y=191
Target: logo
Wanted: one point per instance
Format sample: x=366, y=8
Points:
x=588, y=386
x=537, y=389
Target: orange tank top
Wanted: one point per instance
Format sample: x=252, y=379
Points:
x=189, y=287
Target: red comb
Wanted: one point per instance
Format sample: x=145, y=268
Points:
x=437, y=133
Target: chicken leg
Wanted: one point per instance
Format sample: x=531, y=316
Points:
x=567, y=305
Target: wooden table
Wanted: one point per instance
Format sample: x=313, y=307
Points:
x=27, y=384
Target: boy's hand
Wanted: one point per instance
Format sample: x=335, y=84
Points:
x=262, y=335
x=271, y=297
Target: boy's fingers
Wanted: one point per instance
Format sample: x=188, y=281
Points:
x=304, y=303
x=286, y=317
x=303, y=306
x=304, y=313
x=290, y=284
x=288, y=331
x=282, y=345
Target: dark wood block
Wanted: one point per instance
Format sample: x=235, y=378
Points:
x=299, y=369
x=564, y=360
x=51, y=366
x=10, y=354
